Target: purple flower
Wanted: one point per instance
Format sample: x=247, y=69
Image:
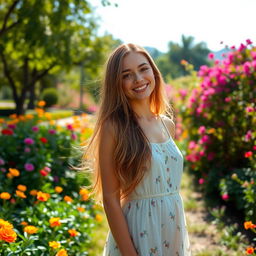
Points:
x=29, y=141
x=35, y=129
x=11, y=126
x=29, y=167
x=73, y=136
x=56, y=179
x=1, y=161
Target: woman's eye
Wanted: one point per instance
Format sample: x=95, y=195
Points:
x=126, y=76
x=145, y=69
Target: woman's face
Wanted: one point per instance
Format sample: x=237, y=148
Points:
x=138, y=79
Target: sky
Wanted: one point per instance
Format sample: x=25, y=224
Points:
x=157, y=22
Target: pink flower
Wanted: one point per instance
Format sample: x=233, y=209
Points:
x=27, y=149
x=52, y=131
x=70, y=127
x=248, y=41
x=35, y=129
x=29, y=141
x=211, y=56
x=73, y=136
x=247, y=68
x=48, y=169
x=248, y=154
x=192, y=144
x=242, y=46
x=204, y=139
x=254, y=147
x=201, y=181
x=249, y=109
x=227, y=99
x=248, y=135
x=201, y=130
x=225, y=197
x=29, y=167
x=11, y=126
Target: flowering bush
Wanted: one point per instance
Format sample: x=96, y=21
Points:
x=43, y=209
x=220, y=117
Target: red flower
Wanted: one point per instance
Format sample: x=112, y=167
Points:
x=7, y=132
x=44, y=140
x=248, y=154
x=43, y=172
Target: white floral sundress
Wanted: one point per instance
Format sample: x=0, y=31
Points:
x=155, y=211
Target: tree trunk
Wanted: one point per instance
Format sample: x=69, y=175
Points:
x=32, y=97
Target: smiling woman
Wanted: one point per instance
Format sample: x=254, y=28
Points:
x=137, y=165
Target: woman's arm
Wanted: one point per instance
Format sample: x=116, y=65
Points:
x=111, y=194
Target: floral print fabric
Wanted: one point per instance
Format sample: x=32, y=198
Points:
x=155, y=212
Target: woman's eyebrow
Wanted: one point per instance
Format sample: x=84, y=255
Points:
x=142, y=64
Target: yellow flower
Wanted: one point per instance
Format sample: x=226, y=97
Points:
x=58, y=189
x=30, y=229
x=5, y=196
x=14, y=172
x=33, y=192
x=48, y=115
x=22, y=188
x=98, y=217
x=20, y=194
x=43, y=196
x=62, y=252
x=5, y=224
x=54, y=222
x=83, y=191
x=68, y=199
x=54, y=244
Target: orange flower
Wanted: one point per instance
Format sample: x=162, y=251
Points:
x=33, y=192
x=62, y=252
x=43, y=196
x=7, y=235
x=83, y=191
x=249, y=224
x=22, y=188
x=68, y=199
x=72, y=232
x=14, y=172
x=54, y=244
x=41, y=103
x=5, y=196
x=250, y=250
x=20, y=194
x=54, y=222
x=98, y=217
x=5, y=224
x=30, y=229
x=80, y=209
x=9, y=175
x=58, y=189
x=24, y=223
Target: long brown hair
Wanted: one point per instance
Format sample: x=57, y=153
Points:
x=132, y=151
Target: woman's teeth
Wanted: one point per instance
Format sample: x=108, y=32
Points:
x=140, y=88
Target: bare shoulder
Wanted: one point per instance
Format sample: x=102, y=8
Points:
x=170, y=125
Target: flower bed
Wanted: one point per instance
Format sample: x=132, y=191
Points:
x=44, y=210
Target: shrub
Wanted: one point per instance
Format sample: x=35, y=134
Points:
x=50, y=96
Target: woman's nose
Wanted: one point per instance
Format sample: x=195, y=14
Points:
x=138, y=77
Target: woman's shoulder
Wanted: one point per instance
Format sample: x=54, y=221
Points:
x=169, y=124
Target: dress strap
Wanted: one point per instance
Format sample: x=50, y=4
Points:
x=167, y=130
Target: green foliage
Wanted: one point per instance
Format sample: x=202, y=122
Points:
x=50, y=96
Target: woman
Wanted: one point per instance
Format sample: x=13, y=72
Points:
x=137, y=164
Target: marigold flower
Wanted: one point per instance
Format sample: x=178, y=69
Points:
x=62, y=252
x=80, y=209
x=14, y=172
x=249, y=224
x=30, y=229
x=68, y=199
x=83, y=191
x=98, y=217
x=54, y=244
x=9, y=175
x=33, y=192
x=43, y=196
x=41, y=103
x=54, y=222
x=250, y=250
x=7, y=235
x=22, y=188
x=73, y=232
x=5, y=196
x=24, y=223
x=5, y=224
x=20, y=194
x=58, y=189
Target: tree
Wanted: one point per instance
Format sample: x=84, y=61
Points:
x=196, y=54
x=40, y=37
